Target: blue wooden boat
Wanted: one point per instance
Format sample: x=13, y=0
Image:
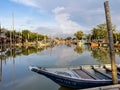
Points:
x=78, y=77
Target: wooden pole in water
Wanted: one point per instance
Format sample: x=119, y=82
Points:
x=111, y=44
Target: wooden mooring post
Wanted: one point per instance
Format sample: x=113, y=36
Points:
x=111, y=44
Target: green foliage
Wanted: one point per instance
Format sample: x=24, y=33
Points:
x=88, y=37
x=25, y=34
x=100, y=31
x=68, y=38
x=79, y=35
x=31, y=36
x=116, y=37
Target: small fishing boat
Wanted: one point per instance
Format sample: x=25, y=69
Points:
x=79, y=77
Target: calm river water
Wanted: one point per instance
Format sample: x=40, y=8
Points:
x=15, y=75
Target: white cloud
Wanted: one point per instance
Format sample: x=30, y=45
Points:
x=73, y=15
x=65, y=24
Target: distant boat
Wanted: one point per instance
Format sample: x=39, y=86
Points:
x=78, y=77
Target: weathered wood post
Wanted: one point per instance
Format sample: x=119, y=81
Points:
x=111, y=44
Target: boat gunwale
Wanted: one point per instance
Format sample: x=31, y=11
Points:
x=75, y=79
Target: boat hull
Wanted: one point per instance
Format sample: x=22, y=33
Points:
x=72, y=82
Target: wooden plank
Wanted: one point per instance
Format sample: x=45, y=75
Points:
x=111, y=70
x=93, y=76
x=110, y=77
x=82, y=74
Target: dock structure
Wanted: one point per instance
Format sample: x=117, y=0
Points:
x=110, y=87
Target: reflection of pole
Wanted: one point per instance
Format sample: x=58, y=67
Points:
x=110, y=36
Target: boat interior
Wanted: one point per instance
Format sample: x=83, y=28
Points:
x=95, y=72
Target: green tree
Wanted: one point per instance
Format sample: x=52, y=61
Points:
x=88, y=37
x=25, y=34
x=79, y=35
x=40, y=37
x=100, y=31
x=68, y=38
x=116, y=37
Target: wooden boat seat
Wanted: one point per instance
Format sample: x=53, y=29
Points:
x=106, y=75
x=90, y=74
x=82, y=74
x=108, y=69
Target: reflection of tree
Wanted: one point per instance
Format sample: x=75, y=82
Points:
x=13, y=52
x=30, y=50
x=88, y=48
x=79, y=50
x=69, y=45
x=3, y=57
x=102, y=55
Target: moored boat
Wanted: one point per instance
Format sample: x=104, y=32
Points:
x=78, y=77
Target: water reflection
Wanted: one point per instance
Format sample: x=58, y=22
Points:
x=17, y=51
x=14, y=63
x=98, y=53
x=11, y=53
x=101, y=55
x=79, y=49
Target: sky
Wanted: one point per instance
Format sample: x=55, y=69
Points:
x=57, y=17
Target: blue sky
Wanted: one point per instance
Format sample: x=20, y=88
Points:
x=57, y=17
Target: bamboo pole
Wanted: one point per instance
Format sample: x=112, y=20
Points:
x=111, y=44
x=13, y=28
x=10, y=38
x=0, y=38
